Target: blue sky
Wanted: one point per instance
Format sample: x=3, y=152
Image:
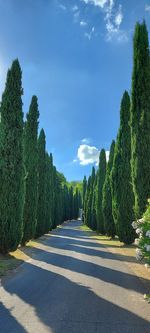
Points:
x=76, y=56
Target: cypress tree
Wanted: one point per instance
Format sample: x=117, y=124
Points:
x=99, y=195
x=80, y=200
x=66, y=201
x=109, y=224
x=71, y=214
x=76, y=204
x=90, y=199
x=52, y=190
x=58, y=199
x=93, y=207
x=122, y=192
x=87, y=212
x=140, y=119
x=30, y=163
x=11, y=161
x=48, y=189
x=84, y=188
x=40, y=228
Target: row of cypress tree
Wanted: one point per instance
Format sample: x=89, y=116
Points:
x=118, y=192
x=34, y=196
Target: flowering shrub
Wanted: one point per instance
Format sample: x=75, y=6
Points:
x=142, y=228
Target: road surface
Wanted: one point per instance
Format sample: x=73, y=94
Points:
x=73, y=285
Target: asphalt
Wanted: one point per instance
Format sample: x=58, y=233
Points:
x=72, y=284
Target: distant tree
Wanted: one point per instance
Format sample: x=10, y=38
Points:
x=86, y=208
x=84, y=188
x=48, y=197
x=122, y=191
x=99, y=195
x=66, y=212
x=76, y=204
x=11, y=161
x=109, y=225
x=40, y=228
x=140, y=119
x=71, y=203
x=93, y=206
x=51, y=190
x=30, y=163
x=90, y=199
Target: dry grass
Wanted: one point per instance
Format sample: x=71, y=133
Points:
x=14, y=259
x=125, y=253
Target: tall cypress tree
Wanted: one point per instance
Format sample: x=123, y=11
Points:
x=140, y=119
x=11, y=161
x=52, y=190
x=84, y=188
x=30, y=163
x=109, y=224
x=100, y=182
x=40, y=228
x=71, y=203
x=122, y=192
x=48, y=190
x=93, y=207
x=90, y=199
x=76, y=204
x=86, y=210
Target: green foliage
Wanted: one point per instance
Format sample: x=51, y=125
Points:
x=140, y=119
x=122, y=192
x=31, y=171
x=48, y=195
x=11, y=161
x=89, y=201
x=93, y=207
x=87, y=194
x=84, y=186
x=76, y=184
x=109, y=225
x=40, y=228
x=99, y=191
x=71, y=203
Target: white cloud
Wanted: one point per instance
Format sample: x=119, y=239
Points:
x=85, y=140
x=83, y=23
x=75, y=8
x=147, y=8
x=76, y=16
x=113, y=17
x=87, y=154
x=99, y=3
x=89, y=34
x=119, y=17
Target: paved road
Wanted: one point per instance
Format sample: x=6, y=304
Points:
x=73, y=285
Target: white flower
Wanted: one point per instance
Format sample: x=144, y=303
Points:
x=134, y=224
x=136, y=242
x=140, y=221
x=138, y=230
x=148, y=233
x=140, y=235
x=139, y=254
x=147, y=248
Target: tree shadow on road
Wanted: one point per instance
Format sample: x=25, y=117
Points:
x=65, y=306
x=84, y=247
x=119, y=278
x=8, y=323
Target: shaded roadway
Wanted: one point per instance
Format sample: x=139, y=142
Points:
x=73, y=284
